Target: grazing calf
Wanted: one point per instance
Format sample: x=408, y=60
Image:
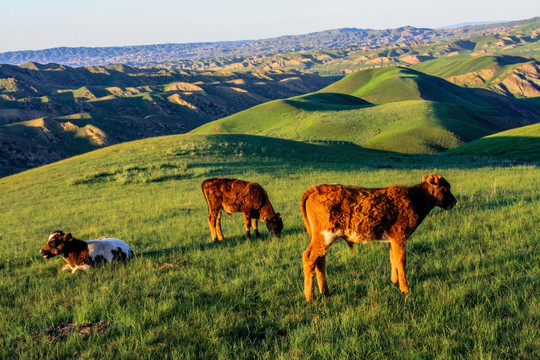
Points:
x=81, y=255
x=248, y=198
x=358, y=214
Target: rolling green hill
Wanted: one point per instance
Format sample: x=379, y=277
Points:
x=472, y=272
x=394, y=108
x=522, y=144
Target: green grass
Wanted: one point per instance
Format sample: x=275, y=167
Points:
x=521, y=143
x=474, y=271
x=394, y=109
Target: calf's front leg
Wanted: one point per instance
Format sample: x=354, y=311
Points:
x=66, y=267
x=394, y=273
x=398, y=250
x=254, y=224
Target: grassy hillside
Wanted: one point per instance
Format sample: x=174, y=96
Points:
x=522, y=143
x=395, y=108
x=510, y=75
x=473, y=288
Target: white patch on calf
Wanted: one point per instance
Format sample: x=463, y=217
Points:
x=105, y=248
x=329, y=237
x=384, y=238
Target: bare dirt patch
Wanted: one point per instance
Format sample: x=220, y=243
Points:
x=61, y=330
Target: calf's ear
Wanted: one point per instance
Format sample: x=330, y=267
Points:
x=424, y=178
x=434, y=179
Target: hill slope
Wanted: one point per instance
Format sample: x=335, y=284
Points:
x=394, y=108
x=522, y=144
x=509, y=75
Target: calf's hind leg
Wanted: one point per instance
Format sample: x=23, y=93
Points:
x=212, y=218
x=218, y=227
x=320, y=266
x=314, y=259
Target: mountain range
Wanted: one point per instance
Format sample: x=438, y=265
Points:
x=353, y=38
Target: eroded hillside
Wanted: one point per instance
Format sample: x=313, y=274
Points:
x=49, y=112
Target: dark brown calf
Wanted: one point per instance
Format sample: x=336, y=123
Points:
x=358, y=214
x=234, y=195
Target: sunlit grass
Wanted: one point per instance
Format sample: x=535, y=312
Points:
x=474, y=271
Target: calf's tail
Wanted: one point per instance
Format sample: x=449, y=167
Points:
x=303, y=201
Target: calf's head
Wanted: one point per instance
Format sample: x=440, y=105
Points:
x=56, y=244
x=274, y=225
x=439, y=189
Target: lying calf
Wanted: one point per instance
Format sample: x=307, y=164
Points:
x=81, y=255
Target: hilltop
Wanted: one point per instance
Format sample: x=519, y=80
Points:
x=393, y=108
x=347, y=38
x=49, y=112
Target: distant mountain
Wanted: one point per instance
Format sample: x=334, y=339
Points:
x=392, y=108
x=330, y=39
x=49, y=112
x=474, y=23
x=507, y=41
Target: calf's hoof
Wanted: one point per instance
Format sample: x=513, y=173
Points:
x=405, y=290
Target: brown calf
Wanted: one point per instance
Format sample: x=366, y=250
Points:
x=358, y=214
x=234, y=195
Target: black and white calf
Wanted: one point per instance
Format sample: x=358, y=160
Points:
x=81, y=255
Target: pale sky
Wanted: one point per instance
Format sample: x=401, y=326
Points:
x=41, y=24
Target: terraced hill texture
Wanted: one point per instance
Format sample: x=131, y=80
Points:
x=510, y=75
x=49, y=112
x=393, y=108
